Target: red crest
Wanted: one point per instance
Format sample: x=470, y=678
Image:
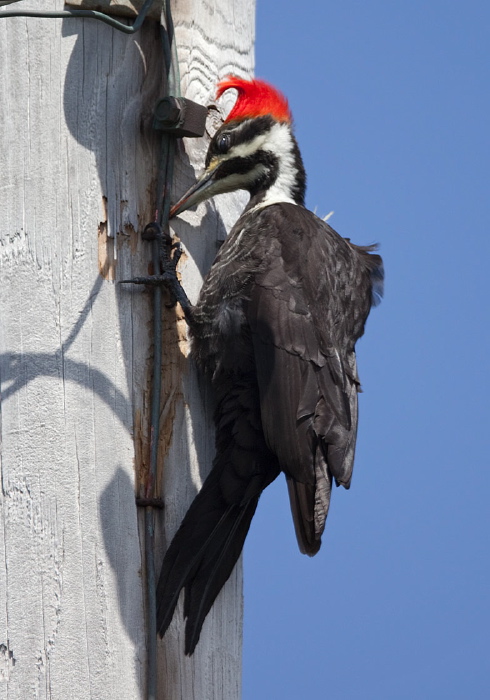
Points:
x=256, y=98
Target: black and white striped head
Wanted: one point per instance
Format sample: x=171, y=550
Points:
x=253, y=150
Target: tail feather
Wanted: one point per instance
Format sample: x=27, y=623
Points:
x=215, y=569
x=201, y=557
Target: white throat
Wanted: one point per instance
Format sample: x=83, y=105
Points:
x=279, y=142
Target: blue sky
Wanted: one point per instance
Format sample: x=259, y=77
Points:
x=392, y=110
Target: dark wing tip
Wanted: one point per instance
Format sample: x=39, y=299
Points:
x=307, y=527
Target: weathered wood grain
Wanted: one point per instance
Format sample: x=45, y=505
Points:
x=77, y=178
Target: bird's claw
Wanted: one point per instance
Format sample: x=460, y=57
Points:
x=169, y=254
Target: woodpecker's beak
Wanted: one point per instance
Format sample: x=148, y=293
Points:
x=197, y=193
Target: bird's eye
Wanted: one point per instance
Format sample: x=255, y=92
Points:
x=223, y=143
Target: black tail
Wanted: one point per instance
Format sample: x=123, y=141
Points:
x=201, y=556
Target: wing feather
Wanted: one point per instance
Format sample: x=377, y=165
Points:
x=305, y=317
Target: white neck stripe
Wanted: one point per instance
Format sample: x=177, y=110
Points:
x=268, y=201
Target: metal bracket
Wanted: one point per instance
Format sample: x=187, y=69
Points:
x=179, y=116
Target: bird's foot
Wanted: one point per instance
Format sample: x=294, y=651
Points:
x=169, y=254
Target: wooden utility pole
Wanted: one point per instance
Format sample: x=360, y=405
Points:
x=77, y=186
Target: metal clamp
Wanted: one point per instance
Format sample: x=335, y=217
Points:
x=179, y=117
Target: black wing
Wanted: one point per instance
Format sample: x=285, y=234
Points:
x=306, y=311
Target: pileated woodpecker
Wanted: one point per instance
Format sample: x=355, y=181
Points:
x=275, y=327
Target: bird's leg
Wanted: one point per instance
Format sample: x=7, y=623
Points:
x=166, y=275
x=168, y=267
